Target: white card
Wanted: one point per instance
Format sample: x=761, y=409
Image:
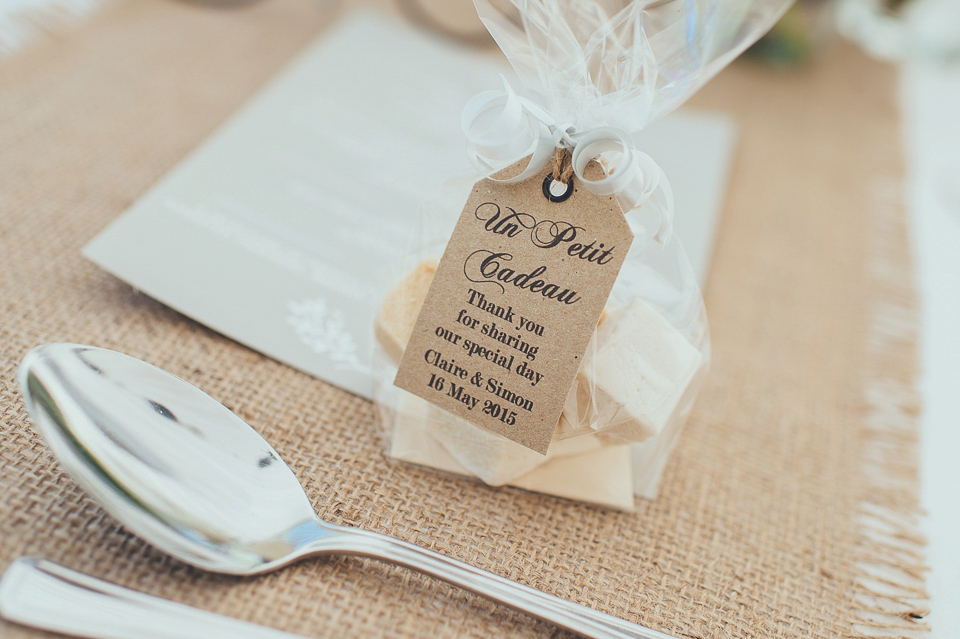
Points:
x=276, y=230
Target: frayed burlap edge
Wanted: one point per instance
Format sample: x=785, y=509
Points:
x=890, y=595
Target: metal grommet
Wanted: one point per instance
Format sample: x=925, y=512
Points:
x=547, y=193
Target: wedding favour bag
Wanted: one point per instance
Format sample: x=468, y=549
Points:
x=546, y=330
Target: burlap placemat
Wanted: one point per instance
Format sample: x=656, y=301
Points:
x=787, y=510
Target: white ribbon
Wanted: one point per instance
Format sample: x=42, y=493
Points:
x=501, y=127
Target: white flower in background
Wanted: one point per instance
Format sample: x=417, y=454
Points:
x=23, y=20
x=323, y=328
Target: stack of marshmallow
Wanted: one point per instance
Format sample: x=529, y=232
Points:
x=634, y=374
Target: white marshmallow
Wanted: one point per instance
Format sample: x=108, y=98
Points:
x=631, y=383
x=399, y=310
x=580, y=468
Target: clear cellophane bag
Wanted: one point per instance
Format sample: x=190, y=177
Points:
x=584, y=66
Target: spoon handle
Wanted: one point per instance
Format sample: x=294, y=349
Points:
x=566, y=614
x=45, y=595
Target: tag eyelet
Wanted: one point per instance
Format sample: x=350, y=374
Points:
x=547, y=193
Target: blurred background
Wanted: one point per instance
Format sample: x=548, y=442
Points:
x=898, y=30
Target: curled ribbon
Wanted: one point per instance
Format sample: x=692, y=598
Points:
x=502, y=127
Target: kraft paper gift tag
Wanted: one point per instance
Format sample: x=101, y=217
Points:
x=514, y=302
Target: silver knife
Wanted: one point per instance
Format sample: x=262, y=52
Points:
x=45, y=595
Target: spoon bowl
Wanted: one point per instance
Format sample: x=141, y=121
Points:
x=175, y=466
x=186, y=475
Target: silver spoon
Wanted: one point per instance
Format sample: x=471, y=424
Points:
x=185, y=474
